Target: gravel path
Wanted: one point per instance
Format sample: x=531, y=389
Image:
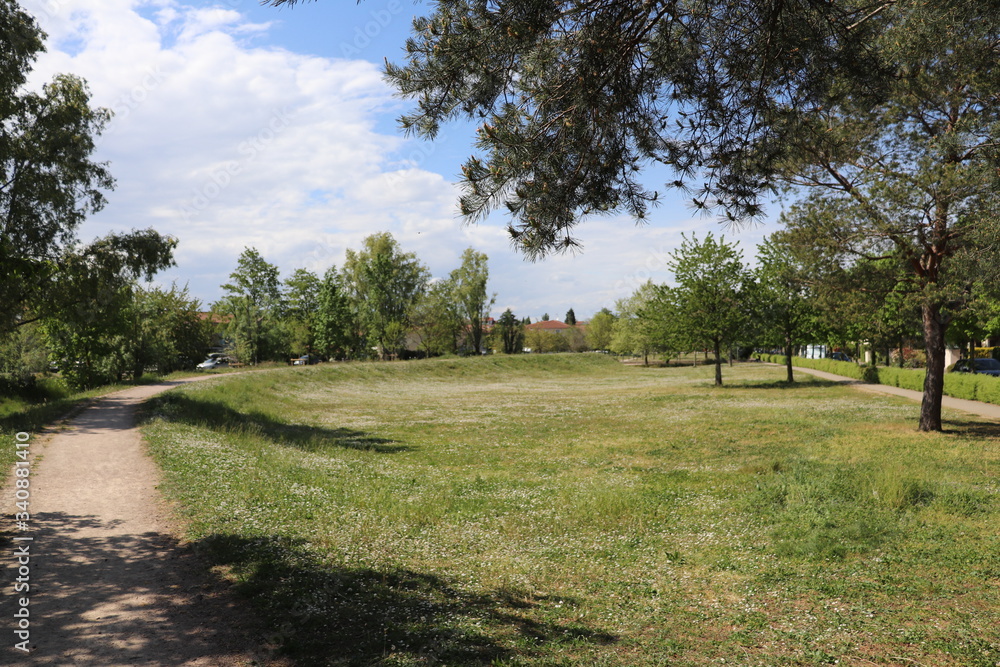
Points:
x=110, y=582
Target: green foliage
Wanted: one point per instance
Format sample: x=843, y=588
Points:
x=92, y=329
x=709, y=307
x=540, y=340
x=91, y=344
x=336, y=328
x=438, y=320
x=470, y=295
x=635, y=332
x=23, y=355
x=574, y=100
x=167, y=332
x=910, y=181
x=570, y=318
x=784, y=314
x=251, y=309
x=48, y=182
x=508, y=334
x=384, y=283
x=601, y=329
x=301, y=305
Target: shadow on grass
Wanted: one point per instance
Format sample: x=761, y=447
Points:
x=33, y=418
x=357, y=616
x=808, y=383
x=224, y=419
x=972, y=429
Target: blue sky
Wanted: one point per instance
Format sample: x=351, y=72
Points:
x=241, y=125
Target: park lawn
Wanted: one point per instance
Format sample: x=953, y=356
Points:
x=570, y=510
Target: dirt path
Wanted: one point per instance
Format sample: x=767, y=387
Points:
x=110, y=583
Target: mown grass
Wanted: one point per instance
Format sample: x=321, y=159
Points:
x=569, y=510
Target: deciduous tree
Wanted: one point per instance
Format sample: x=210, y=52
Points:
x=469, y=282
x=708, y=307
x=783, y=310
x=384, y=283
x=48, y=180
x=335, y=326
x=252, y=306
x=633, y=331
x=600, y=330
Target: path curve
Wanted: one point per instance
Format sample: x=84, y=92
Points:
x=979, y=408
x=111, y=584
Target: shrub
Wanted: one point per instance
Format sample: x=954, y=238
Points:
x=904, y=378
x=960, y=385
x=983, y=388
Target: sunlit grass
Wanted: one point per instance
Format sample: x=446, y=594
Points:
x=569, y=510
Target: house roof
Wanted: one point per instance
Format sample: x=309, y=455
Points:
x=548, y=325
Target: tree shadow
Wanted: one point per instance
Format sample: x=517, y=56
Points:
x=221, y=418
x=323, y=614
x=972, y=429
x=123, y=599
x=811, y=383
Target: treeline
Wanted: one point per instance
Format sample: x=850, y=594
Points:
x=794, y=297
x=382, y=303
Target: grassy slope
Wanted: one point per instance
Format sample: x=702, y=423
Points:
x=569, y=510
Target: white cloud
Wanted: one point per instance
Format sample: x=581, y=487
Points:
x=224, y=142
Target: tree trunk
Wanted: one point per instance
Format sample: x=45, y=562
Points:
x=901, y=360
x=718, y=363
x=788, y=360
x=930, y=406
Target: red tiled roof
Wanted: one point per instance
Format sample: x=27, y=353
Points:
x=548, y=325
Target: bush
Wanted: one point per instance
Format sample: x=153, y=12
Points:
x=983, y=388
x=904, y=378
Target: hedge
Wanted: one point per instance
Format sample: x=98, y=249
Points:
x=983, y=388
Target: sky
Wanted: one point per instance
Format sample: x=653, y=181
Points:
x=238, y=125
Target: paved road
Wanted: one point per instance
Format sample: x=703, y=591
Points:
x=110, y=583
x=987, y=410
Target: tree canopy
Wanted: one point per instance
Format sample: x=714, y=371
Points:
x=910, y=182
x=574, y=99
x=49, y=183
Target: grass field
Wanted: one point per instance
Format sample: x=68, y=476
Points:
x=569, y=510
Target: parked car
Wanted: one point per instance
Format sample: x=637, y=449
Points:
x=305, y=360
x=840, y=356
x=212, y=363
x=979, y=366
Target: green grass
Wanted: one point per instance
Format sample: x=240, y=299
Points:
x=51, y=400
x=570, y=510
